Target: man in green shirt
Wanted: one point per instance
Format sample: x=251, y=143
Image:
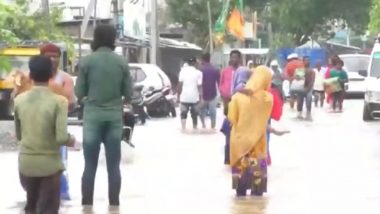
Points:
x=41, y=129
x=103, y=81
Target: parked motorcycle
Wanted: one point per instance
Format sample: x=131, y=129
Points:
x=138, y=104
x=160, y=103
x=133, y=112
x=129, y=120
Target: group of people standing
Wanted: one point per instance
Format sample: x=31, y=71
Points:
x=307, y=83
x=42, y=102
x=198, y=91
x=251, y=98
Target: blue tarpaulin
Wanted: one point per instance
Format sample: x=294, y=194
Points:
x=315, y=54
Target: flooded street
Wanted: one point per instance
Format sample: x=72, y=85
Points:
x=329, y=166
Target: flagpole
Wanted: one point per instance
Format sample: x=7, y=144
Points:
x=211, y=42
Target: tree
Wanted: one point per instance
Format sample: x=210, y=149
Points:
x=6, y=35
x=17, y=24
x=303, y=18
x=193, y=15
x=374, y=24
x=36, y=26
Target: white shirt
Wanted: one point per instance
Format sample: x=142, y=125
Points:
x=319, y=79
x=191, y=79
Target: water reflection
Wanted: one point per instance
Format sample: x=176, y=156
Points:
x=251, y=205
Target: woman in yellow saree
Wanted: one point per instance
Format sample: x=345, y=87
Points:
x=249, y=117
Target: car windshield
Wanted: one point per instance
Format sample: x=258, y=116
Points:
x=375, y=67
x=17, y=63
x=356, y=63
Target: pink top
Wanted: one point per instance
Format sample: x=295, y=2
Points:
x=225, y=84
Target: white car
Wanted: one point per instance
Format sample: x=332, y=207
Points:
x=149, y=76
x=371, y=108
x=353, y=64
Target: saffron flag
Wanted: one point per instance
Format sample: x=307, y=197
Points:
x=236, y=20
x=220, y=24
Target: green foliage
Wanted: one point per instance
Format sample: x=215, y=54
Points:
x=6, y=35
x=292, y=19
x=313, y=17
x=374, y=24
x=194, y=16
x=17, y=24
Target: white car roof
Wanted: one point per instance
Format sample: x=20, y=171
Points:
x=353, y=55
x=154, y=68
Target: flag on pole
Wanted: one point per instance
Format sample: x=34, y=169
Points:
x=236, y=20
x=220, y=25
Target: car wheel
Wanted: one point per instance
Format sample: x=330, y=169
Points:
x=367, y=113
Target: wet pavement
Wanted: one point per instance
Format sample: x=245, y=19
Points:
x=331, y=165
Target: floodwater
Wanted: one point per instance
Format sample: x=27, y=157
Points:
x=331, y=165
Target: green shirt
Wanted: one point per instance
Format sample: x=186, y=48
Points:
x=41, y=128
x=342, y=75
x=102, y=82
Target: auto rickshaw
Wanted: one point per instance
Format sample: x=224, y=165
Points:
x=18, y=56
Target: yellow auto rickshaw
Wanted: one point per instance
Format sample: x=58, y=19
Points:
x=18, y=57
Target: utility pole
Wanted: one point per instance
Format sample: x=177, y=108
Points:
x=96, y=6
x=45, y=7
x=86, y=18
x=154, y=38
x=46, y=10
x=211, y=42
x=270, y=30
x=115, y=4
x=254, y=27
x=270, y=34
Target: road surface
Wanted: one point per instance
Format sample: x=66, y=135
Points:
x=329, y=166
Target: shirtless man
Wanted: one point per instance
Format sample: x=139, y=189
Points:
x=61, y=82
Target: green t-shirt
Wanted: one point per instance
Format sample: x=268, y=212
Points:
x=41, y=129
x=342, y=75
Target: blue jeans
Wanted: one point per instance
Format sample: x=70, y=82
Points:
x=64, y=177
x=109, y=133
x=209, y=107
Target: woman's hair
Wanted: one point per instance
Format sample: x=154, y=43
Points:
x=104, y=36
x=40, y=69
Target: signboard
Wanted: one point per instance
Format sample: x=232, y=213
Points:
x=134, y=19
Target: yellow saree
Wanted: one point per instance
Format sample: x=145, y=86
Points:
x=249, y=117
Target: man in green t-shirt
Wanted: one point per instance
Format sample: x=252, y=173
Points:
x=103, y=85
x=41, y=129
